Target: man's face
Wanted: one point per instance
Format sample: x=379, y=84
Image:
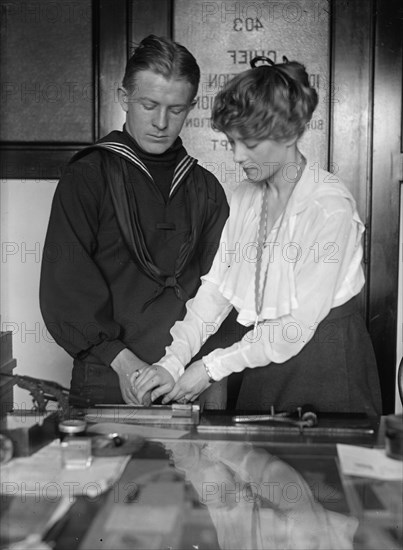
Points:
x=156, y=110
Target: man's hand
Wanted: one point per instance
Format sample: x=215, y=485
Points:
x=128, y=367
x=153, y=378
x=190, y=385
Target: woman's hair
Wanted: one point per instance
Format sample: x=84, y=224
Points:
x=267, y=102
x=162, y=56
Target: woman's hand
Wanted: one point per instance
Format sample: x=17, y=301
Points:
x=190, y=385
x=153, y=378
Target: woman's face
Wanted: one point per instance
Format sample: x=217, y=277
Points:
x=261, y=159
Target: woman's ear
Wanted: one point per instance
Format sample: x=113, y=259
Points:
x=291, y=141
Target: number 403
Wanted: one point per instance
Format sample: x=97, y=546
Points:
x=249, y=24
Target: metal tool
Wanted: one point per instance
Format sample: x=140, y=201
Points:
x=307, y=419
x=43, y=391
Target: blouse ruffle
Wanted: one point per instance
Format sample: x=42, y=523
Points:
x=233, y=269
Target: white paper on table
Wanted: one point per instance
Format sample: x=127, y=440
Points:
x=14, y=421
x=365, y=462
x=42, y=474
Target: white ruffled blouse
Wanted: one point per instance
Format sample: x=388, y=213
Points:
x=312, y=258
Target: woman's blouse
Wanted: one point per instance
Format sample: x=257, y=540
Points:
x=311, y=263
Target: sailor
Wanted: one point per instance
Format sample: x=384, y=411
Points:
x=137, y=221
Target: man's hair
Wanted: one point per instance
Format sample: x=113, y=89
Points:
x=164, y=57
x=267, y=102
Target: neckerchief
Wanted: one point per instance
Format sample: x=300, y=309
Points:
x=126, y=210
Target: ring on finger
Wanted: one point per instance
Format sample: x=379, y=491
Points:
x=134, y=376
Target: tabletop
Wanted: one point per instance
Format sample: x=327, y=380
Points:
x=216, y=485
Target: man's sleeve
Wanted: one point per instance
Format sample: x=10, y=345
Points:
x=75, y=298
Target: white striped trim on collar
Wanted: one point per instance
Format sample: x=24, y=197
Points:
x=180, y=171
x=125, y=152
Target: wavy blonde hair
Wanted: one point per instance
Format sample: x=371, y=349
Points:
x=267, y=102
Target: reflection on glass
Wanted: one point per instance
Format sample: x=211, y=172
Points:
x=257, y=501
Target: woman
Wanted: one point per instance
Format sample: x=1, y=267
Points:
x=289, y=262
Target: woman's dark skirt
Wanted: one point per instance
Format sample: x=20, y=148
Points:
x=335, y=372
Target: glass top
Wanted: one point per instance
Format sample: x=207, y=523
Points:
x=204, y=494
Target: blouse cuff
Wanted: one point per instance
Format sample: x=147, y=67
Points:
x=172, y=364
x=215, y=365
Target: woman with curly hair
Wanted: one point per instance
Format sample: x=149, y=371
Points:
x=289, y=262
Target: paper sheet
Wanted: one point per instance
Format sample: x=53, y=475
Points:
x=42, y=474
x=373, y=463
x=14, y=421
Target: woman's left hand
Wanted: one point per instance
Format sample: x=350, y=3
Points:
x=153, y=378
x=190, y=385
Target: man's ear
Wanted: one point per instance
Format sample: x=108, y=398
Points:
x=123, y=99
x=192, y=105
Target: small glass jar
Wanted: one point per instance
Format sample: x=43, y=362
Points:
x=75, y=445
x=73, y=427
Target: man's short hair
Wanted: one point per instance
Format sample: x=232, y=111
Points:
x=164, y=57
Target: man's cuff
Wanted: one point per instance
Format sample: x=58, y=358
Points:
x=107, y=350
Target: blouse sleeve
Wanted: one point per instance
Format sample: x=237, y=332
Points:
x=204, y=315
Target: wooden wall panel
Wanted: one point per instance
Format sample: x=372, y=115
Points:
x=149, y=17
x=113, y=46
x=351, y=107
x=48, y=84
x=351, y=96
x=47, y=96
x=386, y=176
